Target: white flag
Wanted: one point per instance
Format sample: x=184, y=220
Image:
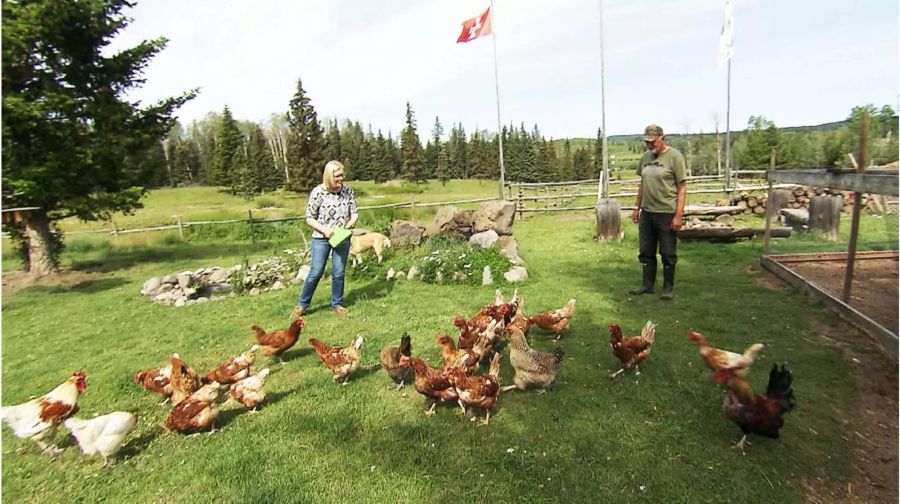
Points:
x=726, y=37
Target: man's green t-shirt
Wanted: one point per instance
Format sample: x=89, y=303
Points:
x=660, y=176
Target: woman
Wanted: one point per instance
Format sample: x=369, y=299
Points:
x=330, y=205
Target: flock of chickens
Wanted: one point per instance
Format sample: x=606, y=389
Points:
x=195, y=398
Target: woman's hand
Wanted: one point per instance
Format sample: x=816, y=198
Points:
x=327, y=232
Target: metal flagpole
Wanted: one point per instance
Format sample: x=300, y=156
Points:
x=497, y=91
x=728, y=184
x=603, y=189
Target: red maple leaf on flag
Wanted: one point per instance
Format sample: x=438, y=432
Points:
x=476, y=27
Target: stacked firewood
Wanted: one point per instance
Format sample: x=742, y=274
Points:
x=799, y=197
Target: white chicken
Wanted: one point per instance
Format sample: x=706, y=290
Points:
x=249, y=391
x=38, y=419
x=102, y=434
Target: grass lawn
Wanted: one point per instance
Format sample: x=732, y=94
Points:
x=657, y=437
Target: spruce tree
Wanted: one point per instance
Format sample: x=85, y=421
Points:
x=598, y=154
x=305, y=143
x=71, y=139
x=228, y=142
x=333, y=144
x=436, y=133
x=565, y=163
x=411, y=149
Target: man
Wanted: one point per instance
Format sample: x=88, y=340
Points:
x=658, y=210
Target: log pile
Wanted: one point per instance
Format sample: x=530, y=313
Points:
x=799, y=197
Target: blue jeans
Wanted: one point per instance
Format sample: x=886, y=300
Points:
x=319, y=250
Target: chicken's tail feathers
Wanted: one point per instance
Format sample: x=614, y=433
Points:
x=258, y=331
x=752, y=351
x=406, y=345
x=779, y=388
x=558, y=354
x=649, y=332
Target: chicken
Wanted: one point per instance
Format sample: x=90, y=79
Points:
x=755, y=413
x=39, y=419
x=555, y=321
x=453, y=357
x=390, y=360
x=234, y=369
x=432, y=383
x=102, y=434
x=631, y=351
x=185, y=381
x=467, y=335
x=721, y=361
x=156, y=380
x=477, y=391
x=511, y=306
x=533, y=368
x=249, y=391
x=519, y=319
x=343, y=361
x=196, y=412
x=276, y=343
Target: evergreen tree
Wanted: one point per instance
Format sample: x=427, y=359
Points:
x=457, y=154
x=393, y=157
x=411, y=149
x=261, y=166
x=431, y=159
x=305, y=143
x=333, y=143
x=185, y=160
x=761, y=137
x=71, y=141
x=225, y=159
x=528, y=169
x=581, y=164
x=598, y=155
x=547, y=161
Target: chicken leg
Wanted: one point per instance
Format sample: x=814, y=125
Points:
x=617, y=373
x=430, y=411
x=743, y=443
x=487, y=418
x=508, y=388
x=462, y=406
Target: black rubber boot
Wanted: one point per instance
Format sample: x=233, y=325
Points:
x=668, y=283
x=647, y=281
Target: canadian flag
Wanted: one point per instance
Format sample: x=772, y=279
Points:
x=476, y=27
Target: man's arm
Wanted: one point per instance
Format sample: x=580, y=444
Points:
x=679, y=206
x=636, y=213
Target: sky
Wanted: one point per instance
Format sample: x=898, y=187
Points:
x=796, y=62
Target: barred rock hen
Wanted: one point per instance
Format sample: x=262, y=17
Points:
x=38, y=419
x=755, y=413
x=276, y=343
x=532, y=368
x=555, y=321
x=722, y=361
x=234, y=369
x=103, y=434
x=156, y=380
x=249, y=391
x=185, y=381
x=432, y=383
x=631, y=351
x=477, y=391
x=342, y=361
x=390, y=360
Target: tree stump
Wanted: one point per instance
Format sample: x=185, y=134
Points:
x=825, y=216
x=609, y=225
x=779, y=200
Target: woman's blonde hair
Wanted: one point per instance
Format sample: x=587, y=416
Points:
x=328, y=175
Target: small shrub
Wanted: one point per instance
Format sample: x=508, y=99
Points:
x=266, y=202
x=241, y=231
x=452, y=261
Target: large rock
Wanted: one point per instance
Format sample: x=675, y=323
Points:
x=184, y=279
x=406, y=233
x=445, y=215
x=516, y=274
x=218, y=276
x=483, y=240
x=509, y=247
x=496, y=215
x=486, y=277
x=150, y=286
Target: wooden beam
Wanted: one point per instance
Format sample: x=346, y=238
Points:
x=847, y=312
x=872, y=181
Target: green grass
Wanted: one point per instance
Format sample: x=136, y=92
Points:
x=657, y=437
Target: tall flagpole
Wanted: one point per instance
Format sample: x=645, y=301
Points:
x=728, y=184
x=603, y=190
x=497, y=91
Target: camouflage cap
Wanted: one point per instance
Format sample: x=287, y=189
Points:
x=652, y=132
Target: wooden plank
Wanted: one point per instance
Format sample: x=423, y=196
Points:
x=710, y=210
x=872, y=181
x=731, y=233
x=878, y=332
x=834, y=256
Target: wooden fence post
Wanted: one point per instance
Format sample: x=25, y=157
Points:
x=250, y=224
x=520, y=203
x=115, y=229
x=412, y=210
x=180, y=227
x=825, y=216
x=609, y=216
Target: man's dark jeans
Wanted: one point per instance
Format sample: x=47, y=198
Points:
x=655, y=231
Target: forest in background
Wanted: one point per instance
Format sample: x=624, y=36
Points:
x=289, y=149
